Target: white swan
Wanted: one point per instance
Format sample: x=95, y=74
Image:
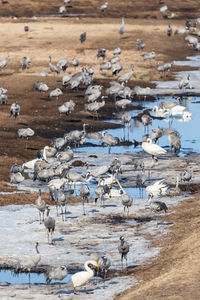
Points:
x=152, y=149
x=157, y=189
x=81, y=278
x=30, y=164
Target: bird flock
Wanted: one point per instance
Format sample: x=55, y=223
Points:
x=53, y=168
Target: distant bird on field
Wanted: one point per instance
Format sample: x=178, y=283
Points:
x=49, y=223
x=25, y=62
x=169, y=30
x=58, y=273
x=30, y=262
x=83, y=37
x=140, y=44
x=4, y=62
x=122, y=27
x=104, y=6
x=25, y=133
x=53, y=68
x=14, y=109
x=41, y=206
x=123, y=248
x=26, y=28
x=101, y=53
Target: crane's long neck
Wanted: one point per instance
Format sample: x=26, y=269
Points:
x=36, y=248
x=121, y=188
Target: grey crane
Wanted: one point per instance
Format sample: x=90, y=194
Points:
x=55, y=273
x=149, y=55
x=83, y=37
x=40, y=86
x=101, y=191
x=41, y=206
x=66, y=79
x=96, y=93
x=62, y=198
x=184, y=82
x=108, y=140
x=127, y=201
x=4, y=62
x=16, y=177
x=157, y=205
x=122, y=103
x=15, y=110
x=89, y=70
x=97, y=171
x=75, y=83
x=59, y=143
x=116, y=68
x=123, y=248
x=63, y=64
x=146, y=121
x=76, y=136
x=93, y=89
x=49, y=223
x=105, y=66
x=17, y=168
x=185, y=175
x=140, y=180
x=115, y=166
x=67, y=107
x=29, y=262
x=156, y=134
x=127, y=76
x=25, y=133
x=55, y=93
x=104, y=7
x=66, y=155
x=25, y=62
x=75, y=62
x=3, y=99
x=169, y=30
x=53, y=68
x=117, y=51
x=174, y=139
x=101, y=52
x=140, y=44
x=94, y=106
x=84, y=194
x=104, y=264
x=122, y=27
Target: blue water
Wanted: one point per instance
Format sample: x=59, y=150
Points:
x=23, y=278
x=190, y=140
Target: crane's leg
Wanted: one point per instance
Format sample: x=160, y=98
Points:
x=29, y=278
x=83, y=207
x=40, y=217
x=43, y=216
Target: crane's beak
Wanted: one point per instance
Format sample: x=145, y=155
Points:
x=97, y=265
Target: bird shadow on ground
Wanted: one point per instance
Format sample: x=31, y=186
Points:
x=83, y=291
